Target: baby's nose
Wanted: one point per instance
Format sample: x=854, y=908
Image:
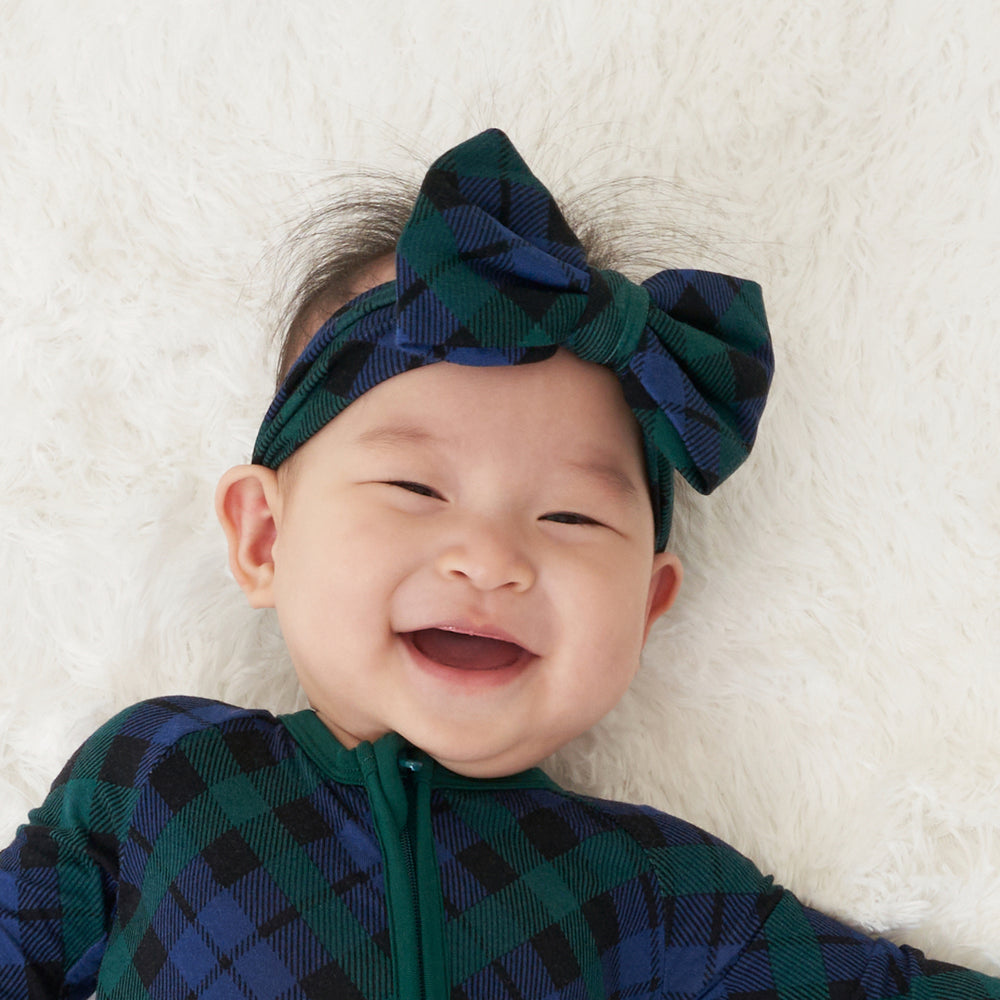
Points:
x=489, y=560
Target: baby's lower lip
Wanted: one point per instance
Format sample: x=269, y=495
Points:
x=506, y=663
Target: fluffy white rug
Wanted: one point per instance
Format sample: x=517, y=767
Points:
x=825, y=695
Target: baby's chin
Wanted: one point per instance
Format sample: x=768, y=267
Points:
x=465, y=752
x=474, y=756
x=494, y=766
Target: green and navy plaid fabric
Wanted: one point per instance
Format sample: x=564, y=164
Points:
x=488, y=272
x=192, y=849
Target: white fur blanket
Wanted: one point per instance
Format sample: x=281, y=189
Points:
x=826, y=693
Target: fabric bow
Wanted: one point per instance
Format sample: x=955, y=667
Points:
x=488, y=272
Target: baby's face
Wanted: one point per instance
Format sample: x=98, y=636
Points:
x=465, y=556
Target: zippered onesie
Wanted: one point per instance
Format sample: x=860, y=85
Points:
x=193, y=849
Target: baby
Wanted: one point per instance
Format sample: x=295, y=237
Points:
x=459, y=505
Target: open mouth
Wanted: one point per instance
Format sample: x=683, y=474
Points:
x=462, y=651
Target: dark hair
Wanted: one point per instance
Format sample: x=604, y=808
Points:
x=327, y=252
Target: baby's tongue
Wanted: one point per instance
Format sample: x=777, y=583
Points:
x=466, y=652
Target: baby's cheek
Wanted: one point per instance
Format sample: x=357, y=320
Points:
x=609, y=627
x=310, y=587
x=630, y=614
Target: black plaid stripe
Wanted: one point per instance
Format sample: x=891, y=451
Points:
x=557, y=956
x=177, y=782
x=37, y=848
x=549, y=833
x=229, y=858
x=121, y=765
x=303, y=821
x=150, y=957
x=250, y=748
x=330, y=981
x=488, y=868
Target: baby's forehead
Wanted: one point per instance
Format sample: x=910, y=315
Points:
x=557, y=412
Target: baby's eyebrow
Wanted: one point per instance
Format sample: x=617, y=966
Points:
x=610, y=475
x=390, y=435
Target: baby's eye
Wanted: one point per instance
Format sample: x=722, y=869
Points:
x=424, y=491
x=568, y=517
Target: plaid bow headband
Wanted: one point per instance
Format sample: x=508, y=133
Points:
x=489, y=273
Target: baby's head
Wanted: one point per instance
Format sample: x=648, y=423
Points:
x=473, y=551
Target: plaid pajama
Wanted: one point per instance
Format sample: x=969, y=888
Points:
x=193, y=849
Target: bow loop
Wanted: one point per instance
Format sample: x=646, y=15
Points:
x=487, y=258
x=702, y=372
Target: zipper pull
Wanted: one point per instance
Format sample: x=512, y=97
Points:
x=408, y=761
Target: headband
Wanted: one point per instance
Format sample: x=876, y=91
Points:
x=488, y=272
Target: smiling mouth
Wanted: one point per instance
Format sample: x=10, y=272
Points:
x=462, y=651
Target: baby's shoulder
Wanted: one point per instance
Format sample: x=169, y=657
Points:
x=685, y=859
x=136, y=742
x=171, y=748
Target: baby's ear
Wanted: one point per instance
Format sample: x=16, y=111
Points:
x=664, y=584
x=245, y=503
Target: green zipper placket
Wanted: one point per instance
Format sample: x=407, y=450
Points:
x=398, y=781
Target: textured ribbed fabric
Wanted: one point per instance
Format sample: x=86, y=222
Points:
x=489, y=273
x=193, y=849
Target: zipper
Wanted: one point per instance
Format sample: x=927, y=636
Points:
x=409, y=766
x=399, y=779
